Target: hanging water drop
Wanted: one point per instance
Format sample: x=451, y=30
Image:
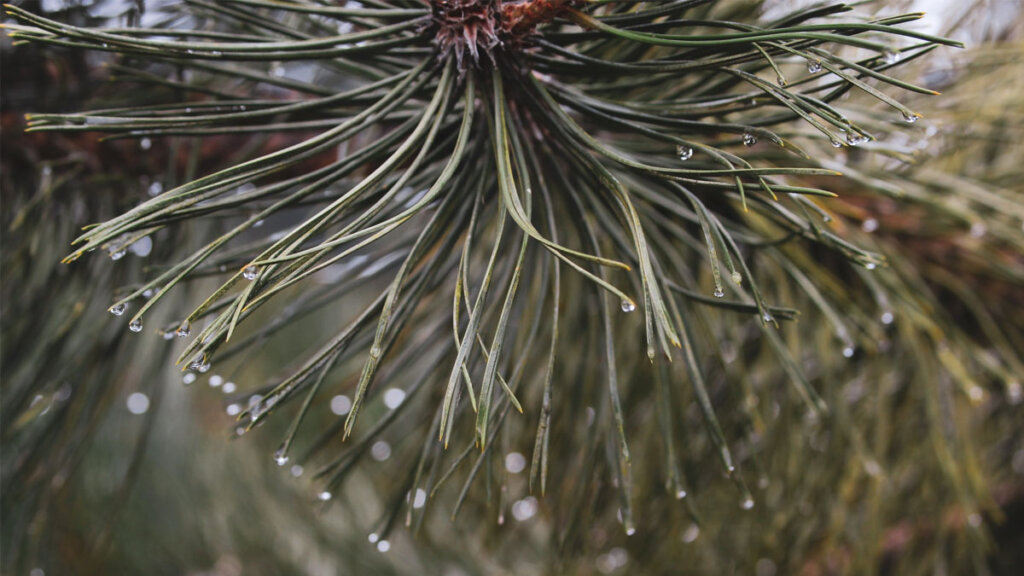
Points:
x=136, y=325
x=250, y=272
x=383, y=546
x=627, y=305
x=719, y=293
x=781, y=81
x=890, y=56
x=117, y=309
x=117, y=254
x=680, y=494
x=737, y=277
x=768, y=318
x=848, y=352
x=871, y=265
x=684, y=152
x=184, y=329
x=887, y=318
x=373, y=537
x=280, y=458
x=747, y=503
x=324, y=496
x=145, y=143
x=155, y=189
x=855, y=139
x=813, y=66
x=296, y=470
x=375, y=351
x=749, y=139
x=910, y=117
x=835, y=143
x=869, y=225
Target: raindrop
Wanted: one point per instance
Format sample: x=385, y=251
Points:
x=974, y=520
x=747, y=503
x=976, y=394
x=138, y=403
x=250, y=272
x=854, y=139
x=136, y=325
x=215, y=381
x=324, y=496
x=1014, y=392
x=630, y=531
x=373, y=537
x=155, y=189
x=184, y=329
x=188, y=378
x=749, y=139
x=117, y=254
x=142, y=247
x=813, y=66
x=869, y=225
x=891, y=56
x=768, y=318
x=148, y=293
x=978, y=230
x=871, y=265
x=145, y=143
x=835, y=143
x=887, y=317
x=719, y=293
x=684, y=152
x=229, y=387
x=910, y=117
x=848, y=352
x=737, y=277
x=781, y=81
x=279, y=457
x=680, y=494
x=524, y=509
x=341, y=405
x=296, y=470
x=375, y=351
x=627, y=305
x=515, y=462
x=380, y=451
x=233, y=409
x=420, y=499
x=691, y=533
x=393, y=397
x=383, y=546
x=117, y=309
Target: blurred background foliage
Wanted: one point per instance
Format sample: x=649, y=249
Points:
x=919, y=469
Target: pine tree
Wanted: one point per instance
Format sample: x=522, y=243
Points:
x=629, y=271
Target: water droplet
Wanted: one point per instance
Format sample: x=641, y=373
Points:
x=974, y=520
x=1014, y=392
x=684, y=152
x=155, y=189
x=341, y=405
x=848, y=352
x=228, y=388
x=142, y=247
x=136, y=325
x=117, y=309
x=749, y=139
x=184, y=329
x=978, y=230
x=976, y=394
x=138, y=403
x=813, y=66
x=869, y=225
x=780, y=81
x=118, y=254
x=691, y=533
x=835, y=143
x=383, y=546
x=280, y=458
x=324, y=496
x=375, y=351
x=680, y=494
x=296, y=470
x=630, y=531
x=747, y=503
x=216, y=53
x=523, y=510
x=233, y=409
x=419, y=500
x=515, y=462
x=147, y=293
x=737, y=277
x=871, y=265
x=250, y=272
x=890, y=56
x=393, y=397
x=719, y=293
x=190, y=51
x=373, y=537
x=627, y=305
x=145, y=143
x=380, y=451
x=910, y=117
x=855, y=139
x=887, y=317
x=768, y=318
x=188, y=378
